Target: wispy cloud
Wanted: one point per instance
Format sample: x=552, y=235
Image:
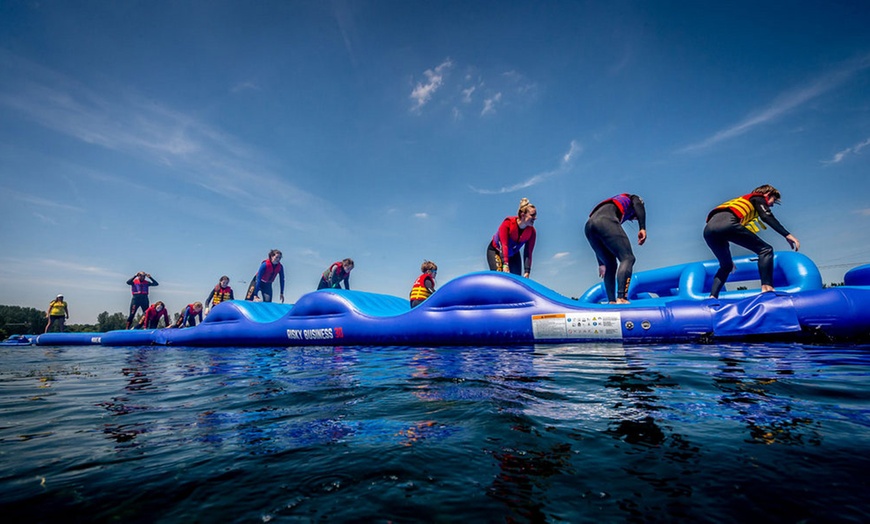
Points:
x=854, y=150
x=423, y=91
x=560, y=255
x=421, y=215
x=565, y=164
x=489, y=104
x=125, y=122
x=245, y=86
x=784, y=103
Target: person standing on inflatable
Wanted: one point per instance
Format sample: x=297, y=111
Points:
x=139, y=286
x=514, y=234
x=424, y=286
x=262, y=283
x=220, y=293
x=737, y=221
x=337, y=273
x=610, y=243
x=57, y=313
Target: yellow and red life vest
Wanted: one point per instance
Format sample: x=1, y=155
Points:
x=419, y=291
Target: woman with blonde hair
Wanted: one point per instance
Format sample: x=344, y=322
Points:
x=515, y=234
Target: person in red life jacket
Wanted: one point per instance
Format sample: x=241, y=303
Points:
x=610, y=243
x=152, y=316
x=514, y=234
x=262, y=284
x=737, y=221
x=424, y=286
x=139, y=284
x=220, y=293
x=337, y=273
x=188, y=315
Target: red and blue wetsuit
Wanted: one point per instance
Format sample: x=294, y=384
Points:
x=505, y=246
x=265, y=276
x=611, y=245
x=151, y=318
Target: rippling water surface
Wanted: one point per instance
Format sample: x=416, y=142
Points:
x=568, y=433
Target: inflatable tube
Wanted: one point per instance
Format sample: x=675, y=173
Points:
x=18, y=340
x=792, y=272
x=68, y=339
x=858, y=276
x=491, y=309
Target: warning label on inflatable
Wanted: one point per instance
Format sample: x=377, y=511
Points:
x=605, y=325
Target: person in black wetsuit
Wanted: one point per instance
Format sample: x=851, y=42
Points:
x=737, y=221
x=611, y=244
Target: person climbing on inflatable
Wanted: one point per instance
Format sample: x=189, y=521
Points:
x=424, y=286
x=335, y=274
x=220, y=293
x=514, y=234
x=152, y=316
x=139, y=284
x=738, y=221
x=262, y=282
x=188, y=315
x=610, y=243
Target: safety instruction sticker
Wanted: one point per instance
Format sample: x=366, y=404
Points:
x=605, y=325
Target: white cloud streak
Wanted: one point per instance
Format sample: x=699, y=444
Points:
x=565, y=164
x=785, y=103
x=854, y=150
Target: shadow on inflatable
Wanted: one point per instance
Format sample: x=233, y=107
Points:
x=489, y=308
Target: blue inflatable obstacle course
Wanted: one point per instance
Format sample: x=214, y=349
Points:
x=18, y=340
x=491, y=308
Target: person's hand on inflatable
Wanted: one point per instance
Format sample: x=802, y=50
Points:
x=793, y=242
x=601, y=270
x=641, y=237
x=282, y=298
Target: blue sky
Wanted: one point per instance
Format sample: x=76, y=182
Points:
x=186, y=139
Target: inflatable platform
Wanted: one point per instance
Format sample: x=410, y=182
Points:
x=490, y=308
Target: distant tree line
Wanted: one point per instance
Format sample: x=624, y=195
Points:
x=17, y=320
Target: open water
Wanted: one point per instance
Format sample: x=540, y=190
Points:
x=562, y=433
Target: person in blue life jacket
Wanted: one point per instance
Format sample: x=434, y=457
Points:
x=611, y=245
x=738, y=221
x=270, y=269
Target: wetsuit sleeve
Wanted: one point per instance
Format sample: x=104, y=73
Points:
x=209, y=297
x=259, y=277
x=232, y=297
x=130, y=282
x=766, y=215
x=281, y=275
x=639, y=211
x=347, y=282
x=530, y=247
x=153, y=282
x=504, y=239
x=166, y=316
x=430, y=284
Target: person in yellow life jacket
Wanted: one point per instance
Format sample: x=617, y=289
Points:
x=736, y=221
x=57, y=313
x=220, y=293
x=424, y=286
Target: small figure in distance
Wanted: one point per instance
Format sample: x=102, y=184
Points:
x=424, y=286
x=262, y=282
x=610, y=243
x=139, y=286
x=737, y=221
x=57, y=314
x=514, y=234
x=188, y=315
x=152, y=316
x=337, y=273
x=220, y=293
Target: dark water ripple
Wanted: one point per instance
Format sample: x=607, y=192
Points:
x=573, y=433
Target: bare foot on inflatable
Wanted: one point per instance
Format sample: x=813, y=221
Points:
x=767, y=289
x=622, y=301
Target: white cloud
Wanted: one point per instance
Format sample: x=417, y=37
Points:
x=784, y=103
x=565, y=165
x=421, y=215
x=489, y=104
x=423, y=92
x=561, y=255
x=838, y=157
